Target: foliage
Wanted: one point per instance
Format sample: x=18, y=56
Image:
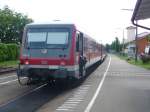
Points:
x=8, y=52
x=133, y=62
x=12, y=51
x=12, y=25
x=3, y=52
x=12, y=63
x=145, y=58
x=107, y=46
x=140, y=63
x=116, y=45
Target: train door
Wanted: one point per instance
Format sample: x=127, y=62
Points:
x=81, y=52
x=81, y=44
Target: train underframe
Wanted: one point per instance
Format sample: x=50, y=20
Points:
x=49, y=74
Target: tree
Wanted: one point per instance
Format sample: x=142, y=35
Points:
x=115, y=45
x=107, y=46
x=117, y=42
x=12, y=25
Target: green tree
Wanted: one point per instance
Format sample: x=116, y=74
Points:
x=117, y=42
x=12, y=25
x=107, y=46
x=115, y=45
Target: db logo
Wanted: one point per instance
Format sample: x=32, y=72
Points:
x=44, y=51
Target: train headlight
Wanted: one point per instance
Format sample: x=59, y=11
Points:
x=26, y=62
x=62, y=63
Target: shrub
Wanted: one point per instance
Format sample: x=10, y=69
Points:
x=8, y=52
x=3, y=52
x=145, y=58
x=12, y=51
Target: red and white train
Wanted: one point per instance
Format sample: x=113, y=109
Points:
x=57, y=51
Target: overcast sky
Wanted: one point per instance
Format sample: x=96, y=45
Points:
x=103, y=20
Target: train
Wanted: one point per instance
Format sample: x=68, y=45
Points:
x=53, y=51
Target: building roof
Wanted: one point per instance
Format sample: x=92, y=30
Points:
x=140, y=36
x=143, y=35
x=130, y=27
x=141, y=10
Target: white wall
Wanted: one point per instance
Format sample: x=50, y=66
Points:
x=131, y=33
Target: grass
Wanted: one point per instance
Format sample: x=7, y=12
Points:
x=123, y=57
x=12, y=63
x=138, y=63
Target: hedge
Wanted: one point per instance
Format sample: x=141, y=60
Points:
x=8, y=52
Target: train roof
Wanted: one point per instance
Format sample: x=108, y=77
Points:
x=61, y=23
x=56, y=23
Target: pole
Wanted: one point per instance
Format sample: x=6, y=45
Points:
x=136, y=46
x=101, y=49
x=123, y=42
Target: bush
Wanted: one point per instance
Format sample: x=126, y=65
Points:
x=12, y=51
x=145, y=58
x=3, y=52
x=8, y=52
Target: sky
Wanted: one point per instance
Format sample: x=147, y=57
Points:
x=103, y=20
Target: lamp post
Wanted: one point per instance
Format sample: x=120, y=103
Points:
x=123, y=43
x=101, y=49
x=136, y=46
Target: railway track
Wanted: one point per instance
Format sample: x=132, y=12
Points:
x=37, y=97
x=7, y=70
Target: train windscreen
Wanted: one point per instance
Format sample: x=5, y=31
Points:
x=47, y=38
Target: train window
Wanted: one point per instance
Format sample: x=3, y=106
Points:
x=77, y=42
x=47, y=38
x=57, y=38
x=37, y=37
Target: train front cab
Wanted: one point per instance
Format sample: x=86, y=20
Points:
x=42, y=56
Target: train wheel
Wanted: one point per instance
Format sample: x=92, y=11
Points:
x=28, y=80
x=24, y=80
x=72, y=82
